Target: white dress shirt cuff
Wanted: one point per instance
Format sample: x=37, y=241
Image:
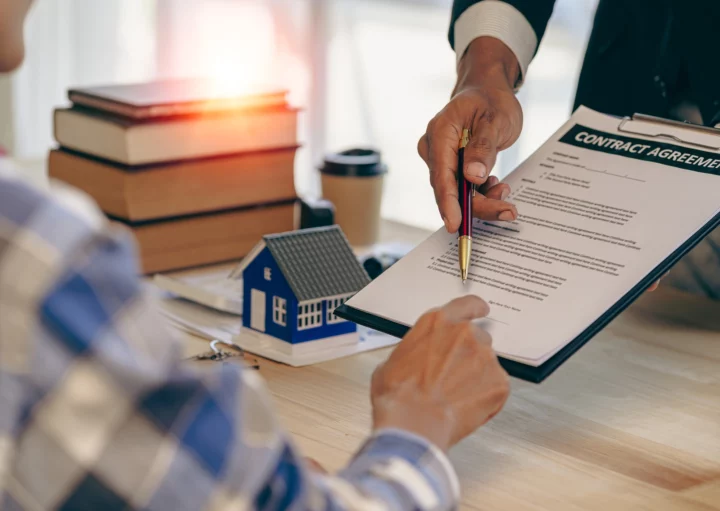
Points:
x=498, y=19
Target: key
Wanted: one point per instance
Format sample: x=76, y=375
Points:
x=218, y=354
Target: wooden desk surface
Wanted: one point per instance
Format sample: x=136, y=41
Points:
x=631, y=422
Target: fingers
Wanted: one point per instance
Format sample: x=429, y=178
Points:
x=493, y=209
x=494, y=189
x=490, y=203
x=494, y=118
x=466, y=308
x=481, y=151
x=481, y=335
x=438, y=147
x=488, y=185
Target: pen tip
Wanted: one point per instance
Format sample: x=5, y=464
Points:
x=464, y=280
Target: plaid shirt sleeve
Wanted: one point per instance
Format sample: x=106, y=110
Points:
x=97, y=410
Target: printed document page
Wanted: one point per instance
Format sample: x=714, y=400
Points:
x=598, y=208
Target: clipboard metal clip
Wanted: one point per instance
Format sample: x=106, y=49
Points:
x=691, y=134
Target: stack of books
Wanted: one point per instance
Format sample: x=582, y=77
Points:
x=198, y=177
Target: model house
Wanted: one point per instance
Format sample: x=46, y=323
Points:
x=292, y=283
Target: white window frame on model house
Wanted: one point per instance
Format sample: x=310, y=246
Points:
x=332, y=304
x=280, y=310
x=310, y=315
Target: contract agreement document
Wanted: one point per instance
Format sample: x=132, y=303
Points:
x=606, y=207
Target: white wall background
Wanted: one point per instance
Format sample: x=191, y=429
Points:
x=368, y=72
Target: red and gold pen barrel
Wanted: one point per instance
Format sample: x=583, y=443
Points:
x=465, y=196
x=465, y=191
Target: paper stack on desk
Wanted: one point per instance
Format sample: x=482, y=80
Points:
x=211, y=323
x=200, y=320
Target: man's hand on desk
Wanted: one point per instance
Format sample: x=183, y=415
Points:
x=484, y=102
x=443, y=381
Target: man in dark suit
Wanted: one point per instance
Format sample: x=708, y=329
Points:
x=657, y=57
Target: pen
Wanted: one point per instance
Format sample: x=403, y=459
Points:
x=466, y=191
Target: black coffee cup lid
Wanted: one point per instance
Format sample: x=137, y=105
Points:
x=354, y=162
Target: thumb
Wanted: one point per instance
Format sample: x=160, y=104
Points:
x=480, y=156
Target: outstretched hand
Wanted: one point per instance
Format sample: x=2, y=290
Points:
x=494, y=119
x=483, y=102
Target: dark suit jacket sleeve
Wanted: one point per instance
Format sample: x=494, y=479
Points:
x=537, y=13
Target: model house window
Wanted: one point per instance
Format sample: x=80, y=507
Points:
x=333, y=304
x=268, y=274
x=309, y=315
x=280, y=310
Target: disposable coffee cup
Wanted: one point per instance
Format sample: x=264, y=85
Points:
x=353, y=181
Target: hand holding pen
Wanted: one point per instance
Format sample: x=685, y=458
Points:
x=466, y=198
x=484, y=102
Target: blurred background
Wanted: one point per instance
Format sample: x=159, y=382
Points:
x=365, y=72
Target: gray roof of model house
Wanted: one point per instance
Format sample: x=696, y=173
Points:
x=317, y=263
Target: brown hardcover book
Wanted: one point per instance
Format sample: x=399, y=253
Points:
x=206, y=239
x=129, y=142
x=181, y=188
x=142, y=101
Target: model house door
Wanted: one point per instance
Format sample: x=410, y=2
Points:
x=257, y=308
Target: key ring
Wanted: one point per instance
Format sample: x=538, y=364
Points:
x=218, y=354
x=214, y=343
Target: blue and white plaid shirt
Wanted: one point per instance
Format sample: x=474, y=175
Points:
x=98, y=411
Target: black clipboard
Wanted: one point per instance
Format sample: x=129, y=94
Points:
x=538, y=374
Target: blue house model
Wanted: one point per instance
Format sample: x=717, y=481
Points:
x=292, y=283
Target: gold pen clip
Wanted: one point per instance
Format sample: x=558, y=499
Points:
x=465, y=138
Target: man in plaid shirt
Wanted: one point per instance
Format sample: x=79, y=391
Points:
x=98, y=411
